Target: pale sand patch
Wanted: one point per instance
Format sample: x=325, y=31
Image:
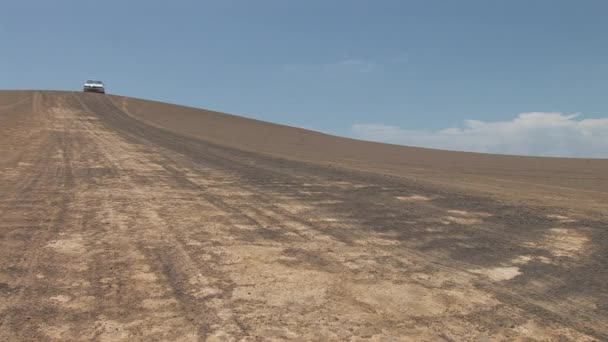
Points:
x=461, y=220
x=220, y=336
x=562, y=242
x=414, y=198
x=164, y=329
x=303, y=192
x=328, y=219
x=540, y=332
x=144, y=276
x=156, y=303
x=525, y=259
x=259, y=277
x=206, y=291
x=328, y=202
x=279, y=285
x=417, y=300
x=522, y=259
x=74, y=245
x=561, y=218
x=348, y=185
x=458, y=212
x=194, y=243
x=499, y=273
x=109, y=330
x=469, y=213
x=81, y=303
x=56, y=332
x=61, y=299
x=566, y=242
x=245, y=226
x=199, y=280
x=228, y=193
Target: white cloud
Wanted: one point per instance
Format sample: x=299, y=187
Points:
x=537, y=134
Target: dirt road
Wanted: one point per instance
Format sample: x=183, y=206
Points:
x=112, y=229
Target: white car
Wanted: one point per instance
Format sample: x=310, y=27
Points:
x=94, y=86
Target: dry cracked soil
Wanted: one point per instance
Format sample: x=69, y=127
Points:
x=130, y=220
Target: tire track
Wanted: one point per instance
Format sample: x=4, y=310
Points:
x=157, y=236
x=281, y=216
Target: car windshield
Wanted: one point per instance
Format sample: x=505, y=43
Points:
x=94, y=82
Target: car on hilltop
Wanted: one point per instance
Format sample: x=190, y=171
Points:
x=94, y=86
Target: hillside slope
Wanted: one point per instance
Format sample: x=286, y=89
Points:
x=129, y=220
x=537, y=179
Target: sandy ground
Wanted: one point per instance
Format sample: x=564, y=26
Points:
x=127, y=220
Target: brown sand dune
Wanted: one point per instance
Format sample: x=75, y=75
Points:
x=527, y=177
x=131, y=220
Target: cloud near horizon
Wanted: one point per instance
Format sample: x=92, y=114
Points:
x=534, y=134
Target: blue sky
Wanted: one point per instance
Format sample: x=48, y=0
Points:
x=379, y=70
